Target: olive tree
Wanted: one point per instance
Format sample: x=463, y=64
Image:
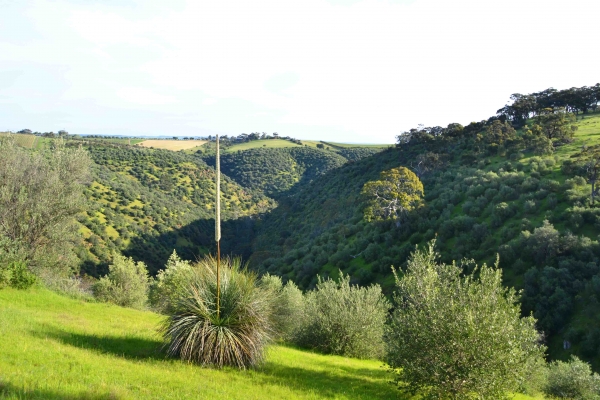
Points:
x=454, y=336
x=40, y=193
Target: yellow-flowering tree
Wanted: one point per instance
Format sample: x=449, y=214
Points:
x=397, y=191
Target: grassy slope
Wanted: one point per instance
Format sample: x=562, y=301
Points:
x=174, y=145
x=54, y=347
x=271, y=143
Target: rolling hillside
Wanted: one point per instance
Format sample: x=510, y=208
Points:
x=535, y=211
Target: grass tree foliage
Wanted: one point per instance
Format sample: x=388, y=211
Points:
x=239, y=335
x=344, y=319
x=455, y=336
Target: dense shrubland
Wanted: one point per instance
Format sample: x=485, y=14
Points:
x=276, y=171
x=491, y=187
x=140, y=196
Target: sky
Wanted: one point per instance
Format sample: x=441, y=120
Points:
x=334, y=70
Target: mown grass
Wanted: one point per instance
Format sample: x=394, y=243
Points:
x=54, y=347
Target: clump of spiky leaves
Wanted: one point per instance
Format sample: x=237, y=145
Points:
x=239, y=335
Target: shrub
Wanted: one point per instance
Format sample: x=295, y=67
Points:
x=344, y=319
x=288, y=306
x=572, y=380
x=126, y=284
x=238, y=335
x=15, y=274
x=170, y=283
x=456, y=336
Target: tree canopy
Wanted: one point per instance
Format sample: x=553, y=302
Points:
x=397, y=191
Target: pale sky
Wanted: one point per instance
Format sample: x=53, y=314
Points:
x=337, y=70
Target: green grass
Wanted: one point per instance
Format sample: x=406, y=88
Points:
x=54, y=347
x=116, y=140
x=271, y=143
x=352, y=145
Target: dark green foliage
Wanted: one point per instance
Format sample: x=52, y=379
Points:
x=146, y=202
x=275, y=171
x=455, y=336
x=344, y=319
x=238, y=336
x=572, y=380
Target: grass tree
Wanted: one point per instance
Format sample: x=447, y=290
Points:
x=223, y=316
x=237, y=334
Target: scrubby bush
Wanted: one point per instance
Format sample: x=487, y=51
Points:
x=572, y=380
x=344, y=319
x=126, y=284
x=15, y=274
x=170, y=283
x=237, y=334
x=456, y=336
x=288, y=306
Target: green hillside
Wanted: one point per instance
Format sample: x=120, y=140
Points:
x=255, y=144
x=275, y=171
x=54, y=347
x=139, y=194
x=479, y=202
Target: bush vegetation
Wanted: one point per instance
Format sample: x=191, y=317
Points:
x=126, y=283
x=344, y=319
x=455, y=336
x=572, y=380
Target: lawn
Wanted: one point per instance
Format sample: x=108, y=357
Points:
x=54, y=347
x=174, y=145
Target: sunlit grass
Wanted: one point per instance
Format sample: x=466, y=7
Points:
x=54, y=347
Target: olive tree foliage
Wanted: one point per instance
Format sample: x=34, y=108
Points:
x=455, y=336
x=397, y=191
x=170, y=283
x=40, y=193
x=344, y=319
x=288, y=306
x=572, y=380
x=126, y=284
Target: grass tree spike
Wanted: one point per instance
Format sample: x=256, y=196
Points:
x=218, y=228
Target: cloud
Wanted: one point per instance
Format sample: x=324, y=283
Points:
x=361, y=72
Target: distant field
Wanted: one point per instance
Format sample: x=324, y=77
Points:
x=351, y=145
x=119, y=140
x=172, y=144
x=268, y=143
x=28, y=141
